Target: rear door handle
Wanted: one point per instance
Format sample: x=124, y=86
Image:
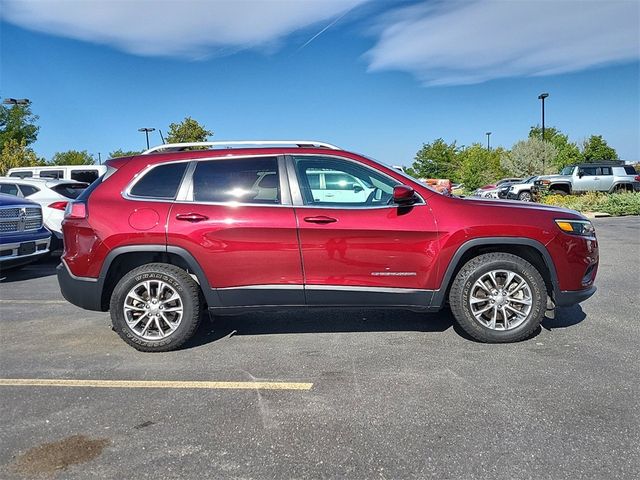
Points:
x=191, y=217
x=320, y=219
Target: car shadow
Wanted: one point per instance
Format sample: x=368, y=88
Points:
x=318, y=320
x=42, y=268
x=564, y=317
x=327, y=320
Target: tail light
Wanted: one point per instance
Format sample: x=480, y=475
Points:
x=637, y=178
x=59, y=205
x=76, y=210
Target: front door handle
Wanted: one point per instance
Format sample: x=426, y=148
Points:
x=191, y=217
x=320, y=219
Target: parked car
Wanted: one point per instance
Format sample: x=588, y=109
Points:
x=491, y=191
x=23, y=238
x=592, y=177
x=80, y=173
x=525, y=191
x=51, y=195
x=163, y=235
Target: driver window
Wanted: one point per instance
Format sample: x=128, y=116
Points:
x=328, y=181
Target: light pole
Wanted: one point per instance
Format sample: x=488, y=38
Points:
x=16, y=101
x=542, y=96
x=146, y=132
x=488, y=134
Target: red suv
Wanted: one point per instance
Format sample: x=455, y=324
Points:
x=251, y=226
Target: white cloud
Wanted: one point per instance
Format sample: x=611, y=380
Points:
x=456, y=43
x=179, y=28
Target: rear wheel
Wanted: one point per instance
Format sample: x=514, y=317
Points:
x=156, y=307
x=498, y=298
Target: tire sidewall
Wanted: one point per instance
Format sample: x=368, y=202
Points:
x=538, y=305
x=118, y=316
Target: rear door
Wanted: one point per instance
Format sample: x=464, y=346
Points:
x=360, y=250
x=237, y=221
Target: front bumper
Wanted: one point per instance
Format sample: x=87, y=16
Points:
x=83, y=292
x=13, y=251
x=567, y=298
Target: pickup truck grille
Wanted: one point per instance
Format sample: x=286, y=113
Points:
x=20, y=219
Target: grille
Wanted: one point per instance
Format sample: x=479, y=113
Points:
x=9, y=212
x=14, y=220
x=11, y=226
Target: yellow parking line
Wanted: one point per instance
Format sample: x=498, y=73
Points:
x=52, y=382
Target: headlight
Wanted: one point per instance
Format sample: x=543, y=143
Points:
x=577, y=227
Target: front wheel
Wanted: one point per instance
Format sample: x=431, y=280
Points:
x=156, y=307
x=498, y=298
x=525, y=196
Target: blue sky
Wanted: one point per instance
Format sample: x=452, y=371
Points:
x=381, y=80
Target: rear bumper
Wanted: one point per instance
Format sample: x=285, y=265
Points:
x=83, y=292
x=567, y=298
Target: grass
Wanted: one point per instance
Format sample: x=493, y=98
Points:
x=616, y=204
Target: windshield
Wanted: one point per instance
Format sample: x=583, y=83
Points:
x=566, y=171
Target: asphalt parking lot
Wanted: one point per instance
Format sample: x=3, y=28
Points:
x=385, y=394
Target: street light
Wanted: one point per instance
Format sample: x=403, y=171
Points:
x=146, y=132
x=542, y=96
x=488, y=134
x=16, y=101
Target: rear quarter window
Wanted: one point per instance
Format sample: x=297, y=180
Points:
x=69, y=190
x=160, y=182
x=630, y=170
x=87, y=176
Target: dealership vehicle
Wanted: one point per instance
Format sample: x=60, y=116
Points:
x=51, y=195
x=592, y=177
x=80, y=173
x=165, y=234
x=491, y=191
x=524, y=191
x=23, y=238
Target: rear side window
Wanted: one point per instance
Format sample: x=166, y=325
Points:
x=69, y=190
x=21, y=174
x=245, y=180
x=629, y=170
x=9, y=189
x=28, y=190
x=160, y=182
x=87, y=176
x=51, y=174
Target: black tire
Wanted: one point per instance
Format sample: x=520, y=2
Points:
x=190, y=297
x=525, y=196
x=474, y=269
x=556, y=191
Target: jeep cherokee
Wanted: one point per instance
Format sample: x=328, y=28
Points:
x=250, y=226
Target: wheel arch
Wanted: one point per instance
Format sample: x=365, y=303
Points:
x=123, y=259
x=564, y=186
x=530, y=250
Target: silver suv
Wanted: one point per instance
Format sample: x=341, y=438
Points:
x=592, y=177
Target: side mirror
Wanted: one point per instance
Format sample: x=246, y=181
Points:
x=580, y=173
x=403, y=195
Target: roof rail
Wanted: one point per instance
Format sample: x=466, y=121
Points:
x=177, y=147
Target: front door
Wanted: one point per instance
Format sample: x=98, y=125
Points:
x=360, y=250
x=238, y=222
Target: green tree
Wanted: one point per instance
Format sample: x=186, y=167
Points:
x=72, y=157
x=189, y=130
x=479, y=166
x=17, y=123
x=16, y=154
x=568, y=152
x=528, y=156
x=123, y=153
x=596, y=149
x=437, y=160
